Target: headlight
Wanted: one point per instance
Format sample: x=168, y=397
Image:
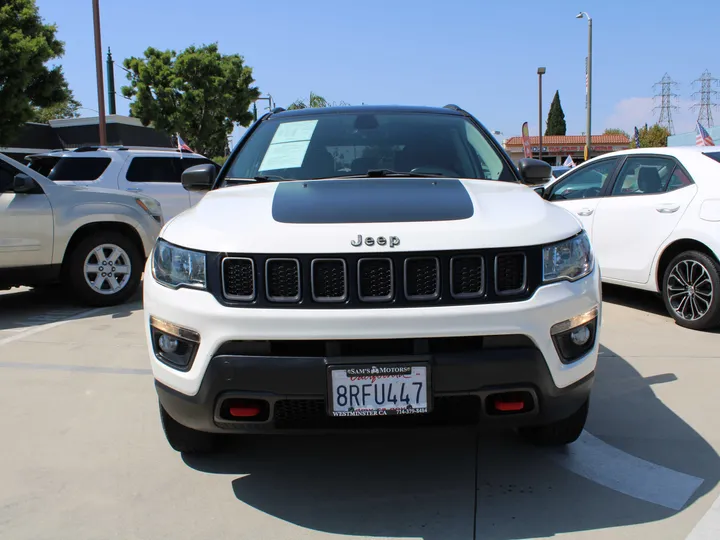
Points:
x=571, y=259
x=151, y=206
x=177, y=267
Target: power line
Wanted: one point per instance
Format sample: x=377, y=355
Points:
x=666, y=107
x=706, y=94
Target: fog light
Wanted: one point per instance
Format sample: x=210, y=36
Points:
x=168, y=344
x=579, y=336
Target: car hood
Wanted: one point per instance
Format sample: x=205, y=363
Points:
x=319, y=216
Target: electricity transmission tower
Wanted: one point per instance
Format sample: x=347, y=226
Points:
x=666, y=106
x=705, y=94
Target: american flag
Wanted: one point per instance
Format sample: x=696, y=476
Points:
x=703, y=138
x=637, y=138
x=181, y=145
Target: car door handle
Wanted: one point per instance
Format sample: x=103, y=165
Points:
x=667, y=208
x=136, y=189
x=585, y=212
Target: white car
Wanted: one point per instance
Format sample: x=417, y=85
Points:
x=653, y=216
x=93, y=241
x=423, y=284
x=154, y=172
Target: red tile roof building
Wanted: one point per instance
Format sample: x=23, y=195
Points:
x=557, y=148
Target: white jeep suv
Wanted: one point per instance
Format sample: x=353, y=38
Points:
x=150, y=171
x=93, y=241
x=371, y=267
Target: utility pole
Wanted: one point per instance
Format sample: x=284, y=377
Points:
x=588, y=84
x=666, y=107
x=99, y=73
x=541, y=72
x=111, y=82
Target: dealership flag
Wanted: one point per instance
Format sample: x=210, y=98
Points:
x=569, y=162
x=526, y=140
x=703, y=138
x=637, y=138
x=181, y=145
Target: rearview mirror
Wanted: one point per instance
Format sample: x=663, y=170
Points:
x=22, y=183
x=534, y=171
x=199, y=177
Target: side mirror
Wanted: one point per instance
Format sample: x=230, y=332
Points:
x=199, y=177
x=534, y=171
x=22, y=183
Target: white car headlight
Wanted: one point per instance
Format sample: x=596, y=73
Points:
x=151, y=206
x=175, y=267
x=571, y=259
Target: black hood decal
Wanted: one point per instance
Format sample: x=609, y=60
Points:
x=371, y=200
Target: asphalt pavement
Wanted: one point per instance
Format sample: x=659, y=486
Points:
x=82, y=454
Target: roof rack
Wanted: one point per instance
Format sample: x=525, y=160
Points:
x=454, y=107
x=94, y=148
x=277, y=110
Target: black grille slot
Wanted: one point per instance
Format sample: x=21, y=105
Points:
x=238, y=275
x=468, y=279
x=422, y=278
x=510, y=273
x=329, y=280
x=282, y=278
x=375, y=280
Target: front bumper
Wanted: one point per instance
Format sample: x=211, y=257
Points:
x=216, y=324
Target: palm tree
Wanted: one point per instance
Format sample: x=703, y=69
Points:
x=315, y=101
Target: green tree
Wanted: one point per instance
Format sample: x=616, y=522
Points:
x=65, y=109
x=27, y=44
x=315, y=101
x=556, y=118
x=618, y=131
x=655, y=136
x=199, y=93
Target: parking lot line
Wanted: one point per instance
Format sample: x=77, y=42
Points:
x=37, y=329
x=611, y=467
x=708, y=528
x=70, y=367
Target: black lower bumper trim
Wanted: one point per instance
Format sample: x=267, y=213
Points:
x=296, y=392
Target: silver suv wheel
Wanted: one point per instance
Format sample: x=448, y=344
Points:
x=107, y=269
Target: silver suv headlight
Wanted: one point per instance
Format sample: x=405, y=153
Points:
x=570, y=259
x=175, y=267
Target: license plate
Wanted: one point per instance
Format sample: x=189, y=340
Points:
x=380, y=390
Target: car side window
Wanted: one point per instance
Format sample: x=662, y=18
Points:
x=644, y=175
x=7, y=177
x=584, y=183
x=153, y=169
x=679, y=179
x=185, y=163
x=78, y=168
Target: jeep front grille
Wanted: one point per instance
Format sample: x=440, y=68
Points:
x=394, y=279
x=283, y=280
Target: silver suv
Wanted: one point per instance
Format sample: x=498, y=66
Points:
x=95, y=241
x=151, y=171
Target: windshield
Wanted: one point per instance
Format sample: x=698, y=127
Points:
x=348, y=144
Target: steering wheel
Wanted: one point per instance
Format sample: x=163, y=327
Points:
x=429, y=169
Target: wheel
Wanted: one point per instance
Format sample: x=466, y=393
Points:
x=558, y=433
x=184, y=439
x=690, y=289
x=104, y=269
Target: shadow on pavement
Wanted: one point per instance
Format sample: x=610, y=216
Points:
x=635, y=299
x=24, y=308
x=463, y=483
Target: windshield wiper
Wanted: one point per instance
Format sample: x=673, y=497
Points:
x=385, y=173
x=257, y=179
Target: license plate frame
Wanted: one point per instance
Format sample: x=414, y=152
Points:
x=382, y=364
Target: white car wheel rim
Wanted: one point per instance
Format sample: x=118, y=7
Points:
x=690, y=290
x=107, y=269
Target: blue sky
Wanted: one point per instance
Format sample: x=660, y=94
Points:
x=480, y=55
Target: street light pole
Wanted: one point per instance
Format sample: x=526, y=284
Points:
x=541, y=72
x=588, y=139
x=99, y=72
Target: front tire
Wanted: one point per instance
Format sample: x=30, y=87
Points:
x=560, y=433
x=104, y=269
x=690, y=290
x=186, y=440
